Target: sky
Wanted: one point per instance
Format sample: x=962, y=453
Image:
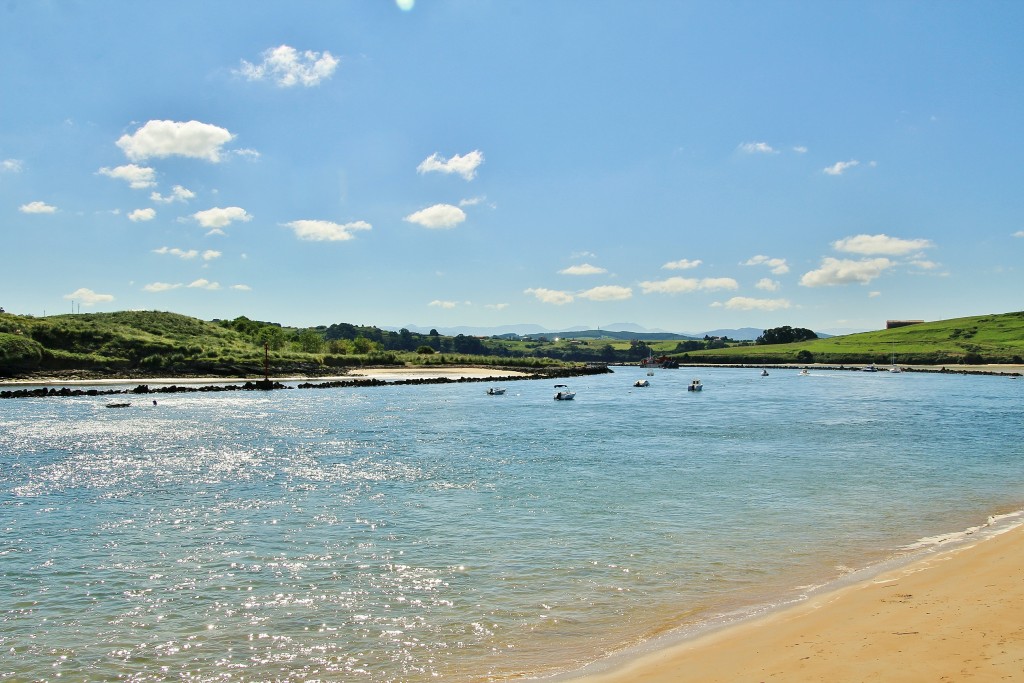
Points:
x=680, y=166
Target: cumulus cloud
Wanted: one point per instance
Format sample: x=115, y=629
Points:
x=242, y=288
x=160, y=287
x=871, y=245
x=203, y=283
x=682, y=264
x=175, y=138
x=326, y=231
x=178, y=194
x=767, y=284
x=142, y=215
x=288, y=67
x=607, y=293
x=37, y=207
x=550, y=296
x=684, y=285
x=438, y=216
x=845, y=271
x=88, y=297
x=464, y=165
x=1019, y=233
x=137, y=177
x=180, y=253
x=437, y=303
x=10, y=166
x=746, y=303
x=777, y=265
x=840, y=167
x=757, y=148
x=211, y=254
x=583, y=269
x=218, y=217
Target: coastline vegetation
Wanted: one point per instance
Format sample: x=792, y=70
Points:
x=155, y=344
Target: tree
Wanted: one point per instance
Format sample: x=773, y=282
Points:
x=309, y=341
x=785, y=335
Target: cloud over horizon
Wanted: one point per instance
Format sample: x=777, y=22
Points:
x=326, y=231
x=161, y=139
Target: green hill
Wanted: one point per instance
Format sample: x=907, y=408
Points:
x=140, y=344
x=982, y=339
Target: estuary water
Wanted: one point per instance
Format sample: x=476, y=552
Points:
x=433, y=532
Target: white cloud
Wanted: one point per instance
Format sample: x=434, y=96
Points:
x=221, y=217
x=870, y=245
x=326, y=231
x=160, y=287
x=88, y=297
x=840, y=167
x=746, y=303
x=583, y=269
x=242, y=288
x=211, y=254
x=845, y=271
x=496, y=307
x=924, y=264
x=800, y=149
x=175, y=138
x=1019, y=233
x=607, y=293
x=472, y=201
x=550, y=296
x=757, y=148
x=767, y=284
x=437, y=216
x=684, y=285
x=464, y=165
x=777, y=265
x=405, y=5
x=178, y=194
x=137, y=177
x=10, y=166
x=672, y=285
x=874, y=295
x=288, y=67
x=682, y=264
x=437, y=303
x=203, y=283
x=180, y=253
x=142, y=215
x=37, y=207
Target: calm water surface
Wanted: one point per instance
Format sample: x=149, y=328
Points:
x=434, y=532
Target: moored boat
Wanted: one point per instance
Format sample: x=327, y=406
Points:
x=695, y=385
x=563, y=393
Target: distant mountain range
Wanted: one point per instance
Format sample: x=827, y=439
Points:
x=615, y=330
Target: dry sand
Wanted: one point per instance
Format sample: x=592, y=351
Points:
x=956, y=615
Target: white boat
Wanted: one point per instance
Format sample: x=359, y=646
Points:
x=496, y=391
x=641, y=383
x=764, y=372
x=563, y=393
x=804, y=372
x=695, y=385
x=895, y=369
x=869, y=368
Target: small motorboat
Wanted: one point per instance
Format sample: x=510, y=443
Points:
x=804, y=372
x=764, y=372
x=119, y=405
x=563, y=393
x=695, y=385
x=641, y=383
x=496, y=391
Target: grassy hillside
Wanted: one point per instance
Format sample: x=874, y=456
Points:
x=974, y=340
x=150, y=344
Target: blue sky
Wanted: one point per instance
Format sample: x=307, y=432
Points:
x=683, y=166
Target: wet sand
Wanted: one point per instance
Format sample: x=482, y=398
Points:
x=954, y=615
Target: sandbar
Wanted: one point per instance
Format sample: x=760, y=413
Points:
x=953, y=615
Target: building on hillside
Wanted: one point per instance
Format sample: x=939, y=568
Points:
x=890, y=324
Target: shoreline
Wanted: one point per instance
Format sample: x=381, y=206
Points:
x=948, y=612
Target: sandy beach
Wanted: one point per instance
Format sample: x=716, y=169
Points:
x=954, y=615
